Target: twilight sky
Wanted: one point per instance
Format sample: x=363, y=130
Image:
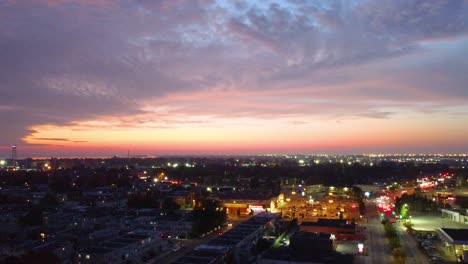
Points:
x=100, y=77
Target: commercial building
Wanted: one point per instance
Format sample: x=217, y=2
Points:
x=456, y=242
x=460, y=216
x=329, y=226
x=235, y=244
x=245, y=202
x=305, y=248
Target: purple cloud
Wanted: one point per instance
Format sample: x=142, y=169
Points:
x=70, y=60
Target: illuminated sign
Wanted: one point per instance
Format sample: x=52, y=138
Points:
x=360, y=247
x=256, y=208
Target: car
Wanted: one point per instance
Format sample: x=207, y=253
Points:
x=427, y=243
x=165, y=235
x=176, y=248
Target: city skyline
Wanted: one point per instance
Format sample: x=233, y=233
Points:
x=100, y=78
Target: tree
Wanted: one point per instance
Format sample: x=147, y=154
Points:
x=141, y=200
x=41, y=256
x=34, y=217
x=404, y=211
x=169, y=206
x=207, y=215
x=462, y=180
x=357, y=192
x=50, y=201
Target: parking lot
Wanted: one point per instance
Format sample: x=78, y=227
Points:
x=428, y=241
x=432, y=222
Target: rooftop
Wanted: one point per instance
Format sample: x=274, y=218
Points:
x=96, y=250
x=454, y=235
x=214, y=249
x=330, y=223
x=310, y=256
x=246, y=195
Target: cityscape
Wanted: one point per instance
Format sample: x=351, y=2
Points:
x=235, y=209
x=233, y=131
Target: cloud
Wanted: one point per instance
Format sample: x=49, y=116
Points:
x=415, y=19
x=166, y=64
x=60, y=139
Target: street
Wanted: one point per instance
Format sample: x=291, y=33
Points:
x=410, y=247
x=377, y=245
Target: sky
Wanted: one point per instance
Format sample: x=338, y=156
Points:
x=156, y=77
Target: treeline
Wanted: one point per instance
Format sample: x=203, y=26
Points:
x=213, y=173
x=206, y=215
x=416, y=203
x=394, y=242
x=66, y=180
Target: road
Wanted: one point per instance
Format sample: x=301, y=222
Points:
x=412, y=252
x=377, y=246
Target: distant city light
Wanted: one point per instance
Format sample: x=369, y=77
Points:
x=367, y=194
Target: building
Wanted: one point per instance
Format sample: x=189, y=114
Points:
x=460, y=216
x=339, y=229
x=456, y=242
x=305, y=248
x=243, y=203
x=235, y=245
x=123, y=249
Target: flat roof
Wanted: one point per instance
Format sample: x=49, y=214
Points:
x=242, y=231
x=217, y=247
x=246, y=195
x=455, y=236
x=113, y=245
x=310, y=256
x=202, y=255
x=96, y=250
x=330, y=223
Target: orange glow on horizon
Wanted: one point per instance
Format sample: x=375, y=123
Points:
x=246, y=135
